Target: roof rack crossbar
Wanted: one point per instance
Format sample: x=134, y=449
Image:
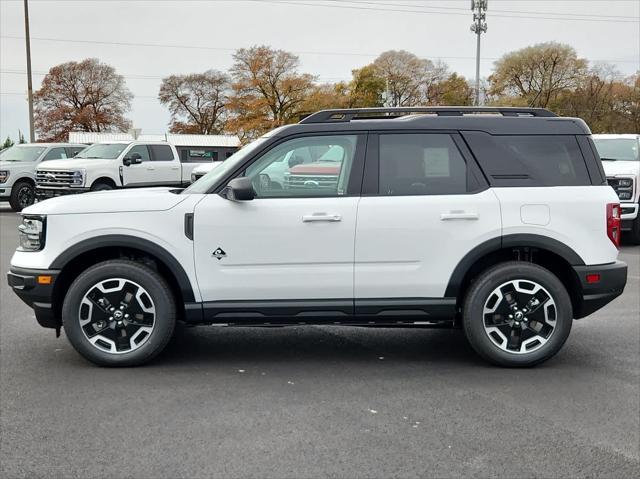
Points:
x=348, y=114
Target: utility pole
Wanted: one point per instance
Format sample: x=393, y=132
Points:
x=32, y=134
x=479, y=26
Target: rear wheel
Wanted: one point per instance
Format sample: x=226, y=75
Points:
x=23, y=194
x=119, y=313
x=517, y=314
x=101, y=187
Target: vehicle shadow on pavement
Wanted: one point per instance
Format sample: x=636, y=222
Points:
x=336, y=344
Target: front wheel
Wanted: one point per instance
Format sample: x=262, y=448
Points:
x=23, y=194
x=634, y=234
x=517, y=314
x=119, y=313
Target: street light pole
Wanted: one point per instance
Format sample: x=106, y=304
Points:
x=479, y=26
x=32, y=135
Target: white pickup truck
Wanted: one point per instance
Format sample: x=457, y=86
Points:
x=115, y=164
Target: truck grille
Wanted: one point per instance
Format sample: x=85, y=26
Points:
x=47, y=178
x=623, y=187
x=311, y=181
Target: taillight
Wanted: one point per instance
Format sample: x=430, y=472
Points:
x=613, y=223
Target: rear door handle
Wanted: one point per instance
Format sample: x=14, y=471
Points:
x=458, y=215
x=150, y=168
x=175, y=167
x=321, y=217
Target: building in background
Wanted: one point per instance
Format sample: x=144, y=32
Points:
x=191, y=148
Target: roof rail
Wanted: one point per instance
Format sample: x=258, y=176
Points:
x=348, y=114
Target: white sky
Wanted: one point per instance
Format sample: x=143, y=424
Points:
x=330, y=40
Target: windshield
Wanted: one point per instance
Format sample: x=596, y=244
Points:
x=104, y=151
x=22, y=153
x=618, y=149
x=204, y=184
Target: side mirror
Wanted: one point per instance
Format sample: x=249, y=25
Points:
x=239, y=189
x=134, y=159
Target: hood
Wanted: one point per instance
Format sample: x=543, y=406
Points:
x=114, y=201
x=6, y=165
x=206, y=168
x=612, y=168
x=75, y=163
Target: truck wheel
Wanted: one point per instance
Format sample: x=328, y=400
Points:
x=119, y=313
x=634, y=234
x=517, y=314
x=23, y=194
x=101, y=187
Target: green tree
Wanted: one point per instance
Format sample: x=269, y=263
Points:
x=21, y=139
x=454, y=90
x=7, y=144
x=537, y=74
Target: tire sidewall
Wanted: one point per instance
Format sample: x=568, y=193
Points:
x=473, y=320
x=155, y=287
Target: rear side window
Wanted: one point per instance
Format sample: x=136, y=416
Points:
x=55, y=154
x=161, y=153
x=421, y=164
x=529, y=160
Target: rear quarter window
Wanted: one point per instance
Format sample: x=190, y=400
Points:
x=529, y=160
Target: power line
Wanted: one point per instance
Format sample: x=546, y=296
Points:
x=299, y=52
x=440, y=7
x=434, y=12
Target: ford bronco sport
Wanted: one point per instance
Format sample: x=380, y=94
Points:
x=498, y=220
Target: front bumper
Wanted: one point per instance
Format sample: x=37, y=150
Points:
x=25, y=283
x=44, y=193
x=5, y=192
x=629, y=212
x=595, y=295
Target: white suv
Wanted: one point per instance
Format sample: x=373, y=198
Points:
x=620, y=156
x=500, y=222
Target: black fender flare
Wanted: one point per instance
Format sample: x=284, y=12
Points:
x=126, y=241
x=508, y=241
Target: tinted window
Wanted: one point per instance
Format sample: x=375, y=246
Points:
x=309, y=166
x=161, y=153
x=74, y=150
x=142, y=150
x=55, y=154
x=421, y=164
x=533, y=160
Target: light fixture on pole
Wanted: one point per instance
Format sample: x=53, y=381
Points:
x=479, y=26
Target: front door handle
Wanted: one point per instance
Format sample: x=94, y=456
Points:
x=321, y=217
x=458, y=215
x=150, y=168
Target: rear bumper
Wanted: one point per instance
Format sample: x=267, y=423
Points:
x=39, y=297
x=595, y=295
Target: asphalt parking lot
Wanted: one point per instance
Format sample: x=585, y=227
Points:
x=320, y=402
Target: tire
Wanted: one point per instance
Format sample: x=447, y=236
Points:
x=23, y=194
x=634, y=234
x=101, y=187
x=533, y=333
x=91, y=309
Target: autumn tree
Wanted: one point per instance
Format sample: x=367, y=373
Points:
x=197, y=102
x=366, y=88
x=454, y=90
x=268, y=90
x=407, y=78
x=85, y=96
x=537, y=74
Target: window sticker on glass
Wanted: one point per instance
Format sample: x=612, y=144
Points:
x=436, y=162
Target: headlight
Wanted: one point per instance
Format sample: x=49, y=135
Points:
x=624, y=195
x=4, y=176
x=32, y=233
x=77, y=179
x=625, y=182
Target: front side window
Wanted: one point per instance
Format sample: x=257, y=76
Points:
x=56, y=154
x=421, y=164
x=102, y=151
x=142, y=150
x=308, y=166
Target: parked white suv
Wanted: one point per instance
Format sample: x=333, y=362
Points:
x=500, y=222
x=620, y=156
x=111, y=165
x=18, y=169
